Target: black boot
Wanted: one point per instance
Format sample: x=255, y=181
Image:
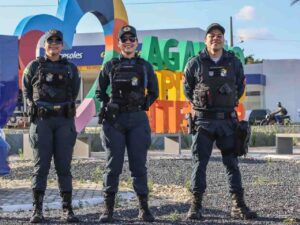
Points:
x=144, y=211
x=37, y=216
x=109, y=203
x=68, y=214
x=195, y=211
x=239, y=210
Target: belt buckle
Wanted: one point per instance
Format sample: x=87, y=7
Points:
x=220, y=115
x=56, y=108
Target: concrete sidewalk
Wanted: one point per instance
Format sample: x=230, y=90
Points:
x=19, y=198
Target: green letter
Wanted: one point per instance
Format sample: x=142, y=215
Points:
x=186, y=51
x=198, y=46
x=151, y=52
x=171, y=59
x=239, y=53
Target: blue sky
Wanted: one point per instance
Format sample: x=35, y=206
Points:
x=268, y=29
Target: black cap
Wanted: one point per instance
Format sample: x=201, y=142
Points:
x=53, y=33
x=127, y=30
x=215, y=26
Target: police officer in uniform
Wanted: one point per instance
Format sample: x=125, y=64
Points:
x=134, y=88
x=214, y=82
x=50, y=86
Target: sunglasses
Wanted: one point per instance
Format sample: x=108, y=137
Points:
x=131, y=39
x=54, y=41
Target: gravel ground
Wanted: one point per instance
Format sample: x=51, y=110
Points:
x=272, y=188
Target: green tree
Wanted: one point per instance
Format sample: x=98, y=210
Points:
x=250, y=60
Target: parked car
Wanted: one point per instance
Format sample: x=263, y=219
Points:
x=19, y=119
x=258, y=115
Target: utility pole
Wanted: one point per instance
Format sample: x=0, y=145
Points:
x=231, y=33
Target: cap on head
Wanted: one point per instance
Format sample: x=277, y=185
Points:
x=215, y=26
x=127, y=30
x=53, y=33
x=279, y=104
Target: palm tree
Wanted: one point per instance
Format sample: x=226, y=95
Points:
x=294, y=1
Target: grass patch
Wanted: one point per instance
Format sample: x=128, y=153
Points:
x=97, y=175
x=129, y=181
x=291, y=221
x=173, y=216
x=187, y=185
x=118, y=200
x=21, y=154
x=261, y=181
x=150, y=185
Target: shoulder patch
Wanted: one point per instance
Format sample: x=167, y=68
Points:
x=26, y=71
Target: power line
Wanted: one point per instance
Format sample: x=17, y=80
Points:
x=24, y=6
x=265, y=39
x=129, y=3
x=166, y=2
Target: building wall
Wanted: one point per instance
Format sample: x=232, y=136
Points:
x=283, y=84
x=255, y=88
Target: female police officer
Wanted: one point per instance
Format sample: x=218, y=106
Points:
x=134, y=88
x=51, y=85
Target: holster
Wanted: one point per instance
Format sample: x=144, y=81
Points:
x=101, y=114
x=243, y=133
x=109, y=111
x=32, y=113
x=42, y=112
x=70, y=110
x=190, y=125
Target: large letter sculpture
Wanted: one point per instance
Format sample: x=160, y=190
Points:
x=110, y=13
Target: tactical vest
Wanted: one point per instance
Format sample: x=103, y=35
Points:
x=53, y=82
x=216, y=86
x=128, y=83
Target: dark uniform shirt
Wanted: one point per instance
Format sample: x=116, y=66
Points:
x=193, y=68
x=29, y=78
x=104, y=80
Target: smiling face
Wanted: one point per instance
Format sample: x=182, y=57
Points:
x=53, y=47
x=128, y=45
x=214, y=41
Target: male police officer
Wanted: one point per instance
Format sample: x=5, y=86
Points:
x=134, y=88
x=214, y=82
x=51, y=85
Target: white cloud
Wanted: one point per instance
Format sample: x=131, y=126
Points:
x=253, y=33
x=246, y=13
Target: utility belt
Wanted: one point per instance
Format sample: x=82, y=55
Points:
x=110, y=111
x=67, y=110
x=129, y=108
x=215, y=115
